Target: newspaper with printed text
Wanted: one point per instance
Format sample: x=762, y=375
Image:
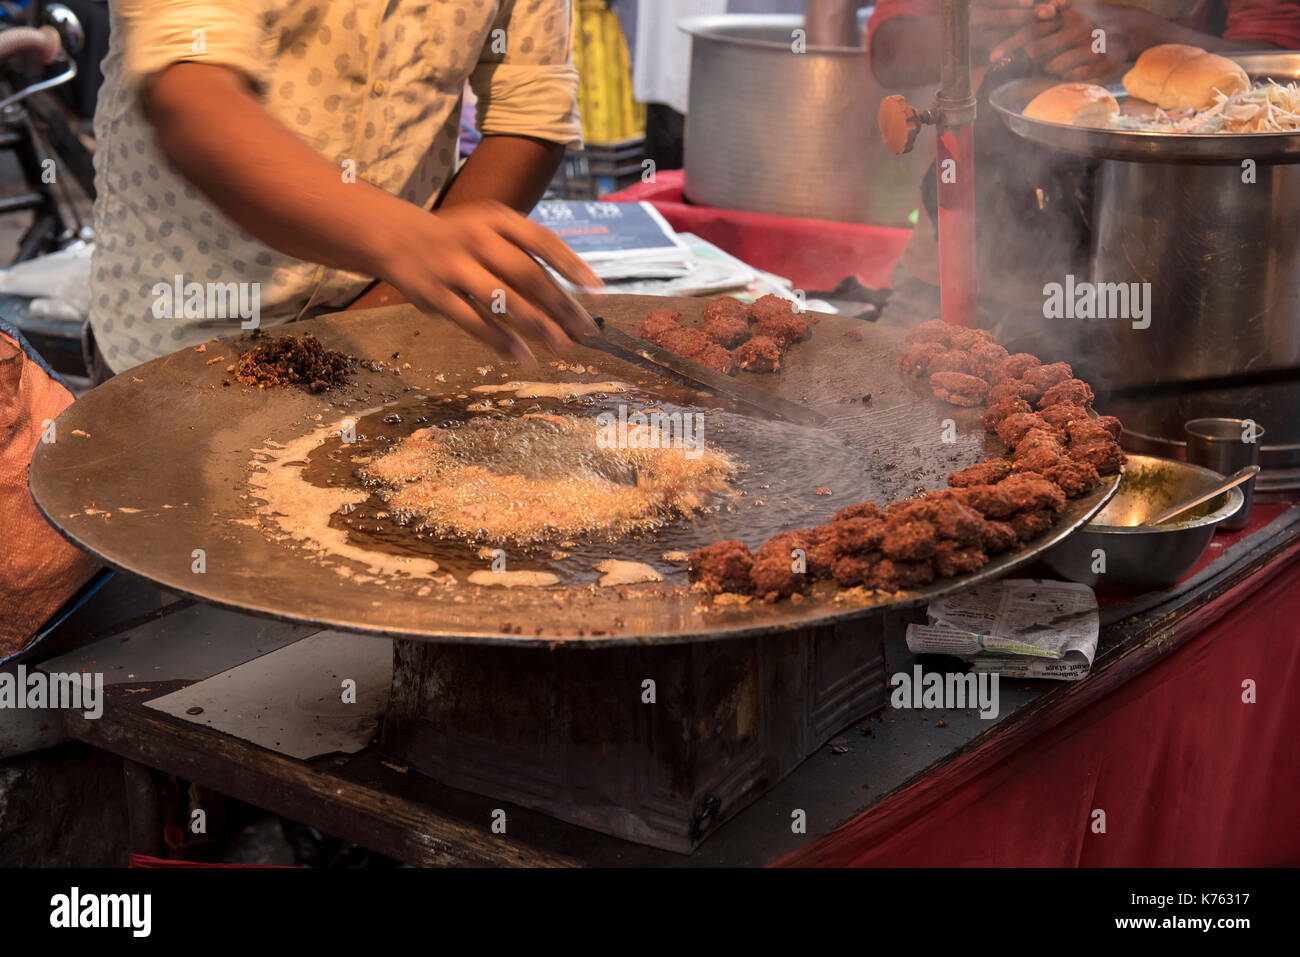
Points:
x=1018, y=628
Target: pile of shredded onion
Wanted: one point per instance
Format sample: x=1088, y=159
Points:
x=1267, y=107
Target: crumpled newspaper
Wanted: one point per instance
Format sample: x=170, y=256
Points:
x=1017, y=628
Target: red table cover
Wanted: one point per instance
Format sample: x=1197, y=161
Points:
x=814, y=254
x=1187, y=773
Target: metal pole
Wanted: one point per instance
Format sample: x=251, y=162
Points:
x=956, y=168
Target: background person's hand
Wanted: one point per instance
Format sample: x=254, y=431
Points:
x=1064, y=47
x=986, y=14
x=992, y=20
x=463, y=261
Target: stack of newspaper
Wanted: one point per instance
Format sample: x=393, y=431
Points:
x=1017, y=628
x=618, y=240
x=634, y=250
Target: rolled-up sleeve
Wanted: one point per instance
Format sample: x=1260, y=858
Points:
x=525, y=80
x=1273, y=21
x=162, y=32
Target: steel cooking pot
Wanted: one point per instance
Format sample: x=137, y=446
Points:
x=771, y=131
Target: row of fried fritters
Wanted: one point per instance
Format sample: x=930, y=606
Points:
x=731, y=335
x=1056, y=450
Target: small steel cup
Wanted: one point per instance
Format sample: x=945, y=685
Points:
x=1226, y=445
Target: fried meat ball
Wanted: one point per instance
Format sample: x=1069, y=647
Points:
x=1069, y=392
x=1013, y=367
x=1061, y=415
x=772, y=574
x=986, y=473
x=915, y=360
x=951, y=517
x=1088, y=430
x=770, y=305
x=1031, y=523
x=726, y=331
x=858, y=535
x=773, y=577
x=952, y=558
x=1043, y=378
x=1111, y=425
x=716, y=358
x=1033, y=492
x=722, y=567
x=1013, y=494
x=861, y=510
x=684, y=342
x=1037, y=451
x=991, y=501
x=1104, y=455
x=985, y=357
x=820, y=551
x=1009, y=389
x=784, y=328
x=1075, y=478
x=725, y=307
x=936, y=330
x=1014, y=427
x=909, y=540
x=957, y=388
x=970, y=338
x=950, y=360
x=997, y=537
x=759, y=354
x=892, y=574
x=782, y=544
x=850, y=571
x=1056, y=452
x=657, y=322
x=996, y=413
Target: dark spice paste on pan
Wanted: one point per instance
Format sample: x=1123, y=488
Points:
x=294, y=360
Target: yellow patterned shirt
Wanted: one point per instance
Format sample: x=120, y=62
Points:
x=377, y=83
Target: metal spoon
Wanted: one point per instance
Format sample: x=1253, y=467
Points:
x=1233, y=480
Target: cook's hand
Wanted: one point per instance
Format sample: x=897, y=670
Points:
x=1065, y=46
x=465, y=260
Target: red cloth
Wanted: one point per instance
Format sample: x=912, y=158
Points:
x=814, y=254
x=1187, y=773
x=144, y=860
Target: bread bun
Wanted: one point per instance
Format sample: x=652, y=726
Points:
x=1147, y=78
x=1074, y=104
x=1193, y=84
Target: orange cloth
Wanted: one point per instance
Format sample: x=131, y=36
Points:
x=39, y=570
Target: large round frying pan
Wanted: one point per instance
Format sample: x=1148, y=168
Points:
x=154, y=466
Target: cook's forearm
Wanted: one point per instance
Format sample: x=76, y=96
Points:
x=905, y=51
x=514, y=170
x=221, y=138
x=1142, y=30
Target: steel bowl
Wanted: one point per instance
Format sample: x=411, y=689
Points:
x=1138, y=558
